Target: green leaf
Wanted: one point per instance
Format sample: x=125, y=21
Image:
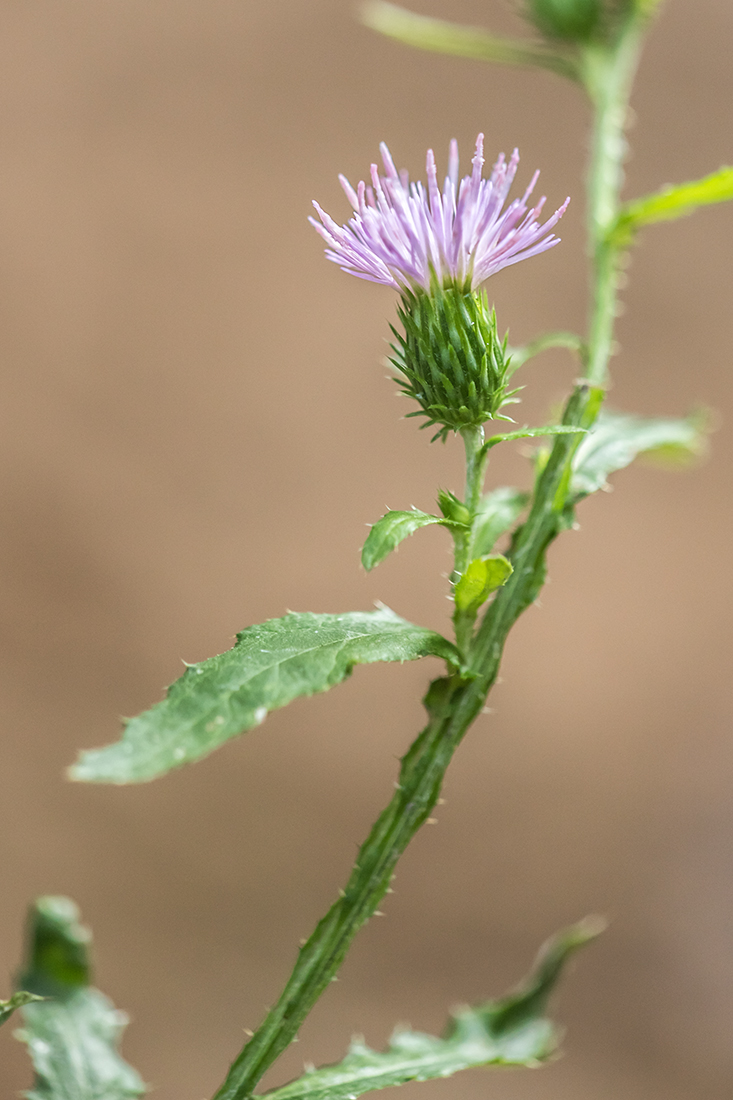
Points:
x=441, y=36
x=510, y=1031
x=481, y=577
x=530, y=433
x=518, y=356
x=670, y=202
x=271, y=664
x=496, y=513
x=391, y=529
x=7, y=1008
x=617, y=439
x=73, y=1035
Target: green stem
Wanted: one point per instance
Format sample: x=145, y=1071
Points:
x=453, y=703
x=477, y=457
x=609, y=75
x=476, y=460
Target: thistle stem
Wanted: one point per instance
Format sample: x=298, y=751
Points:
x=453, y=703
x=477, y=457
x=609, y=74
x=476, y=461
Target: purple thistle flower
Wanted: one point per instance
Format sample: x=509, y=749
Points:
x=406, y=235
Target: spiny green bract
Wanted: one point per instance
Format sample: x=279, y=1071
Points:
x=451, y=359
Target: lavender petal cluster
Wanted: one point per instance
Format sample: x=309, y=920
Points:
x=408, y=235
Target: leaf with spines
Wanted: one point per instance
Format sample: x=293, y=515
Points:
x=482, y=576
x=496, y=513
x=509, y=1031
x=388, y=532
x=618, y=438
x=674, y=201
x=18, y=1000
x=270, y=665
x=73, y=1033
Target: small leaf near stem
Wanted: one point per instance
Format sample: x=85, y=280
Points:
x=520, y=355
x=388, y=532
x=670, y=202
x=481, y=577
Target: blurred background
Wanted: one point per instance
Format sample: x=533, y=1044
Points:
x=196, y=428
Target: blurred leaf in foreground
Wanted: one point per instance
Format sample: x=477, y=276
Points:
x=618, y=438
x=73, y=1034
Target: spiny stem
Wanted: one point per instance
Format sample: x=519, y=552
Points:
x=609, y=75
x=453, y=705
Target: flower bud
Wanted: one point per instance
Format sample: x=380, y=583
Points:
x=453, y=508
x=574, y=20
x=450, y=357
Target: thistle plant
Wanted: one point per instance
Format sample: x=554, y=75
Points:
x=436, y=248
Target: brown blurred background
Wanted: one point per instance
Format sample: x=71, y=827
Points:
x=196, y=428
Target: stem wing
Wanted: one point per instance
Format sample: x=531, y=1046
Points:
x=270, y=665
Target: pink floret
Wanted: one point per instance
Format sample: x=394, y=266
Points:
x=405, y=235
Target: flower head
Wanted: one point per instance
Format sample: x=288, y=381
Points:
x=410, y=235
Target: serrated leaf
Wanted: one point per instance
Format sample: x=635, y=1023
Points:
x=22, y=997
x=670, y=202
x=510, y=1031
x=496, y=513
x=270, y=665
x=617, y=439
x=388, y=532
x=72, y=1035
x=481, y=577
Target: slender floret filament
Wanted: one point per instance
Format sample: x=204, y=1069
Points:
x=407, y=235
